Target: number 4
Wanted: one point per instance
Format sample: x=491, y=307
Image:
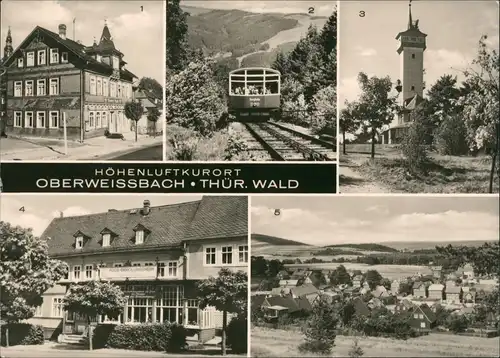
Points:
x=22, y=209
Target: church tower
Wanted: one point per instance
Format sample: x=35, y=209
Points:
x=8, y=49
x=412, y=44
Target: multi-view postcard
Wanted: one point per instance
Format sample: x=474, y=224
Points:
x=251, y=81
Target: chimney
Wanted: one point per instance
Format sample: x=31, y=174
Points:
x=61, y=214
x=62, y=31
x=146, y=207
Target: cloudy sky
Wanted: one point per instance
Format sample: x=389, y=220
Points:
x=355, y=219
x=321, y=8
x=368, y=43
x=39, y=210
x=138, y=34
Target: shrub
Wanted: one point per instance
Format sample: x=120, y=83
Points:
x=413, y=147
x=160, y=337
x=451, y=136
x=235, y=146
x=22, y=334
x=237, y=335
x=101, y=335
x=321, y=328
x=356, y=350
x=457, y=324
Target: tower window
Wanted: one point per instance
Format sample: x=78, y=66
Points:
x=413, y=88
x=413, y=55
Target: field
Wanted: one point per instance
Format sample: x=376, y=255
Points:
x=446, y=174
x=422, y=245
x=391, y=272
x=263, y=344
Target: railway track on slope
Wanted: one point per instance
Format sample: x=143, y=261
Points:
x=285, y=144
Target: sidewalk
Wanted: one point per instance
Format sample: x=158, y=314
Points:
x=24, y=148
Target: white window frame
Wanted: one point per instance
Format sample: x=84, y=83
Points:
x=165, y=267
x=148, y=264
x=51, y=92
x=32, y=83
x=73, y=273
x=26, y=123
x=98, y=119
x=91, y=120
x=106, y=240
x=54, y=55
x=172, y=266
x=20, y=62
x=212, y=253
x=229, y=254
x=30, y=55
x=422, y=324
x=91, y=272
x=57, y=307
x=18, y=116
x=99, y=86
x=18, y=92
x=50, y=119
x=244, y=252
x=139, y=237
x=415, y=315
x=44, y=92
x=93, y=85
x=105, y=87
x=104, y=118
x=38, y=121
x=78, y=241
x=41, y=60
x=64, y=57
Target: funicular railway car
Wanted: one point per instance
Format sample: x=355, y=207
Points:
x=254, y=94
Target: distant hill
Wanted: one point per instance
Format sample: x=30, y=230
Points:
x=366, y=247
x=273, y=240
x=422, y=245
x=237, y=33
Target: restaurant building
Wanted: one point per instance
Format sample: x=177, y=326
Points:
x=155, y=254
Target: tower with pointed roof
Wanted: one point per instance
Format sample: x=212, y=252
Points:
x=8, y=49
x=412, y=44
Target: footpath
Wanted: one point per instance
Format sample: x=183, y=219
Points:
x=31, y=148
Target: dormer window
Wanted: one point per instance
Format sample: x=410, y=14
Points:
x=139, y=237
x=106, y=240
x=140, y=233
x=79, y=242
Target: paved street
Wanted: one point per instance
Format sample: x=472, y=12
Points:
x=52, y=349
x=149, y=153
x=99, y=148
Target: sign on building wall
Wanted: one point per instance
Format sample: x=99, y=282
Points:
x=131, y=273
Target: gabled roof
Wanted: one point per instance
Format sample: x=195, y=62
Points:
x=453, y=289
x=412, y=102
x=431, y=317
x=169, y=225
x=418, y=285
x=76, y=48
x=219, y=217
x=436, y=287
x=303, y=290
x=287, y=302
x=257, y=301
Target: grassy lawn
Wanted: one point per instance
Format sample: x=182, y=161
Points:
x=446, y=174
x=279, y=343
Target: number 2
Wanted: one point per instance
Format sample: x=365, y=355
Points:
x=311, y=10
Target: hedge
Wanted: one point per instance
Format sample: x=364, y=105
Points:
x=237, y=335
x=160, y=337
x=22, y=334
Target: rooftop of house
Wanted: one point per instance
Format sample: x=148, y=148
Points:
x=303, y=290
x=212, y=217
x=105, y=47
x=436, y=287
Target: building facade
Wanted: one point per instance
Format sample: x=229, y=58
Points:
x=55, y=83
x=411, y=47
x=155, y=254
